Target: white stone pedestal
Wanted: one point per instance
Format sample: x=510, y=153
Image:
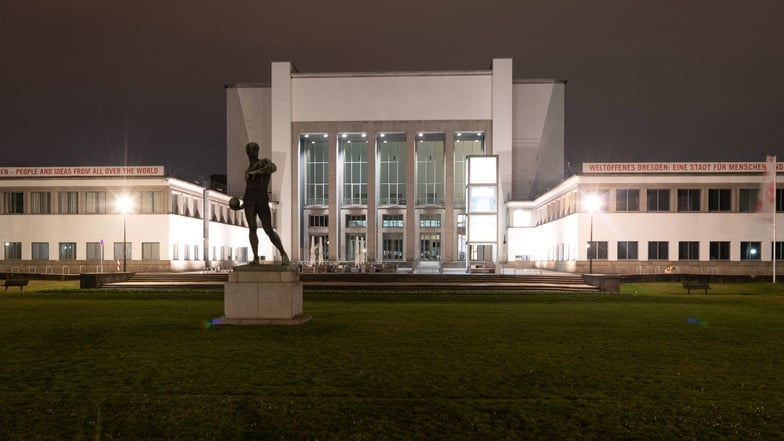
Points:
x=263, y=295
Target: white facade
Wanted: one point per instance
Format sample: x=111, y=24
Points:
x=693, y=218
x=521, y=122
x=64, y=219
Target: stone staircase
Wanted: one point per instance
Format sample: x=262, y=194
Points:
x=374, y=281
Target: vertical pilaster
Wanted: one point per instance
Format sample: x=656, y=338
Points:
x=448, y=242
x=372, y=212
x=334, y=209
x=411, y=235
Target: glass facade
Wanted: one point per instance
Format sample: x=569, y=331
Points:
x=392, y=169
x=315, y=149
x=465, y=144
x=430, y=169
x=354, y=154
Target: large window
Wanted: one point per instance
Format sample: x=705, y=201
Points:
x=14, y=202
x=353, y=150
x=40, y=250
x=392, y=246
x=152, y=202
x=597, y=250
x=658, y=200
x=392, y=221
x=40, y=202
x=627, y=200
x=627, y=250
x=152, y=251
x=719, y=199
x=315, y=149
x=13, y=251
x=67, y=250
x=392, y=169
x=430, y=221
x=658, y=250
x=356, y=221
x=748, y=200
x=320, y=220
x=118, y=251
x=688, y=250
x=69, y=202
x=688, y=199
x=94, y=251
x=466, y=143
x=430, y=169
x=750, y=250
x=95, y=202
x=720, y=250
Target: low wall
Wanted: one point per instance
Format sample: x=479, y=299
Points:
x=95, y=280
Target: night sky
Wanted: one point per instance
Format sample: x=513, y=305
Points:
x=84, y=81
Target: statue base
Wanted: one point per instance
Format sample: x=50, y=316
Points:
x=263, y=295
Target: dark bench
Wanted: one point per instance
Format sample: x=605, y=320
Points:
x=15, y=282
x=695, y=284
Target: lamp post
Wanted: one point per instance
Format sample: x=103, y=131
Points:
x=593, y=203
x=124, y=205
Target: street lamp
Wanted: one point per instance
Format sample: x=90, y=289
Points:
x=124, y=205
x=593, y=203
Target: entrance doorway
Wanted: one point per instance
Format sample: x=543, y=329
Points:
x=430, y=246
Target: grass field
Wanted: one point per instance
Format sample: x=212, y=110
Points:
x=644, y=364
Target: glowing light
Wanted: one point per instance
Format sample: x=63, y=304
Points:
x=593, y=202
x=124, y=204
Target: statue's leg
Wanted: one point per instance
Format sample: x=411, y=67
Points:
x=266, y=224
x=250, y=215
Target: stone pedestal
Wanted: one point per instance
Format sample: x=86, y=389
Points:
x=263, y=295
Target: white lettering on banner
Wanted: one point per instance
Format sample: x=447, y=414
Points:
x=23, y=172
x=678, y=167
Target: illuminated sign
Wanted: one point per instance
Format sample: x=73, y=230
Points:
x=91, y=172
x=678, y=167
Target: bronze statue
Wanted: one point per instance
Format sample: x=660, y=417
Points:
x=256, y=201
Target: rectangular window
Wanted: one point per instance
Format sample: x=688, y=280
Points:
x=152, y=202
x=40, y=202
x=747, y=200
x=40, y=250
x=356, y=221
x=719, y=251
x=658, y=200
x=94, y=251
x=318, y=221
x=13, y=251
x=627, y=200
x=14, y=202
x=151, y=251
x=176, y=251
x=392, y=169
x=627, y=250
x=67, y=250
x=658, y=250
x=118, y=251
x=688, y=250
x=597, y=250
x=430, y=169
x=719, y=199
x=779, y=250
x=69, y=202
x=430, y=221
x=175, y=203
x=392, y=246
x=466, y=143
x=392, y=221
x=353, y=150
x=780, y=199
x=95, y=202
x=315, y=152
x=750, y=250
x=688, y=199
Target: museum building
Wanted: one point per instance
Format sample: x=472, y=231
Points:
x=451, y=170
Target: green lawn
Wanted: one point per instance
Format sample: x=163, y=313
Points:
x=650, y=363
